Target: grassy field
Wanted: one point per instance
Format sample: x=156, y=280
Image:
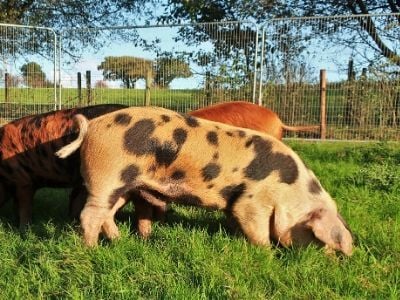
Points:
x=69, y=96
x=372, y=111
x=193, y=255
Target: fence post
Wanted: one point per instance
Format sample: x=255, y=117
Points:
x=79, y=80
x=322, y=95
x=6, y=83
x=88, y=87
x=149, y=77
x=208, y=88
x=364, y=73
x=349, y=106
x=396, y=111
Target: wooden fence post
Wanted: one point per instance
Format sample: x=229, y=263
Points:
x=79, y=88
x=349, y=106
x=364, y=73
x=149, y=79
x=322, y=95
x=208, y=89
x=6, y=87
x=88, y=87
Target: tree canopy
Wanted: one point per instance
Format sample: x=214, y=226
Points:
x=74, y=14
x=69, y=13
x=169, y=68
x=129, y=69
x=261, y=11
x=33, y=75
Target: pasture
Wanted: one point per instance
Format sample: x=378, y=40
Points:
x=194, y=256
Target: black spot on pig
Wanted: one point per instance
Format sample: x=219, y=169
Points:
x=232, y=193
x=314, y=187
x=178, y=174
x=265, y=162
x=188, y=199
x=130, y=173
x=210, y=171
x=180, y=135
x=241, y=133
x=287, y=167
x=137, y=139
x=216, y=155
x=122, y=119
x=118, y=192
x=166, y=153
x=165, y=118
x=212, y=138
x=249, y=142
x=191, y=121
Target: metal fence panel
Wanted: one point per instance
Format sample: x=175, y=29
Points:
x=180, y=67
x=184, y=67
x=361, y=56
x=27, y=71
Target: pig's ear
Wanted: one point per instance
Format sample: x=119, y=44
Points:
x=329, y=228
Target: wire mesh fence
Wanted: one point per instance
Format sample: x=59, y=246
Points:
x=362, y=59
x=27, y=71
x=180, y=67
x=189, y=66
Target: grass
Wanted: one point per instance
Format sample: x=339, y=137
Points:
x=178, y=98
x=193, y=256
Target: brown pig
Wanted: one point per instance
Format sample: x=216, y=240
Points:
x=27, y=147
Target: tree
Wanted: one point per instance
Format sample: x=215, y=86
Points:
x=128, y=69
x=380, y=40
x=168, y=68
x=64, y=14
x=378, y=37
x=33, y=75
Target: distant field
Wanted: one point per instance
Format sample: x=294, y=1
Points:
x=193, y=255
x=69, y=96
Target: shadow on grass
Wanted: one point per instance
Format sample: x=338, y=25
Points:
x=51, y=221
x=50, y=218
x=190, y=218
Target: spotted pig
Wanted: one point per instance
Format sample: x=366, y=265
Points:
x=161, y=155
x=28, y=162
x=249, y=115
